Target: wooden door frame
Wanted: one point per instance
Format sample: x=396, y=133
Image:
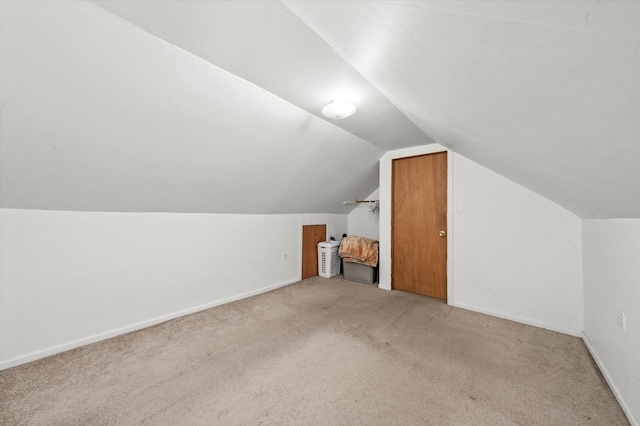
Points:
x=426, y=289
x=384, y=274
x=307, y=223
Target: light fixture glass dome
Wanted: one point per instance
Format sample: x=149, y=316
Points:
x=338, y=109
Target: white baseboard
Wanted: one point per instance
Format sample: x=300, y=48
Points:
x=605, y=373
x=563, y=330
x=33, y=356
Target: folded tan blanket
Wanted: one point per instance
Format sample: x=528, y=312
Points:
x=371, y=260
x=359, y=249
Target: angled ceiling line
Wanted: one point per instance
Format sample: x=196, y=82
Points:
x=497, y=82
x=344, y=58
x=115, y=118
x=422, y=6
x=307, y=62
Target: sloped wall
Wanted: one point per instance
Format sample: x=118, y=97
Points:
x=611, y=282
x=515, y=253
x=511, y=252
x=72, y=278
x=89, y=123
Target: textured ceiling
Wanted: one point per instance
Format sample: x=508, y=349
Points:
x=265, y=43
x=544, y=93
x=214, y=106
x=100, y=115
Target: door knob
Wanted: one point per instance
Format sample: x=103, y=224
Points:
x=442, y=233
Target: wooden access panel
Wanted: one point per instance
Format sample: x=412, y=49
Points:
x=419, y=225
x=311, y=236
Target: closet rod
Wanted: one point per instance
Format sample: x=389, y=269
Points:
x=360, y=201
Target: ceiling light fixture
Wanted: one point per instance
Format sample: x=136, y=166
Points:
x=338, y=109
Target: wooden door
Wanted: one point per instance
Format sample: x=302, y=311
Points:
x=311, y=236
x=419, y=225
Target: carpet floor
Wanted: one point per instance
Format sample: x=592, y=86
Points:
x=319, y=352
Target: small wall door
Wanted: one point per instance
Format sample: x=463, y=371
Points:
x=419, y=225
x=311, y=236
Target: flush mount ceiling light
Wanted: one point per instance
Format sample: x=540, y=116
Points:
x=338, y=109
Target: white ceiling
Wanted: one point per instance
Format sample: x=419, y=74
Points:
x=546, y=93
x=214, y=106
x=265, y=43
x=100, y=115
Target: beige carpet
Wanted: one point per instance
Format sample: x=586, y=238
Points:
x=320, y=352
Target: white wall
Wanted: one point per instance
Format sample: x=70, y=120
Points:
x=512, y=253
x=71, y=278
x=362, y=222
x=515, y=253
x=612, y=281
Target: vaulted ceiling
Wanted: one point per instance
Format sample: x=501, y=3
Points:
x=214, y=106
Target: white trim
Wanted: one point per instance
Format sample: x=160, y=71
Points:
x=450, y=210
x=605, y=373
x=414, y=151
x=563, y=330
x=133, y=327
x=384, y=271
